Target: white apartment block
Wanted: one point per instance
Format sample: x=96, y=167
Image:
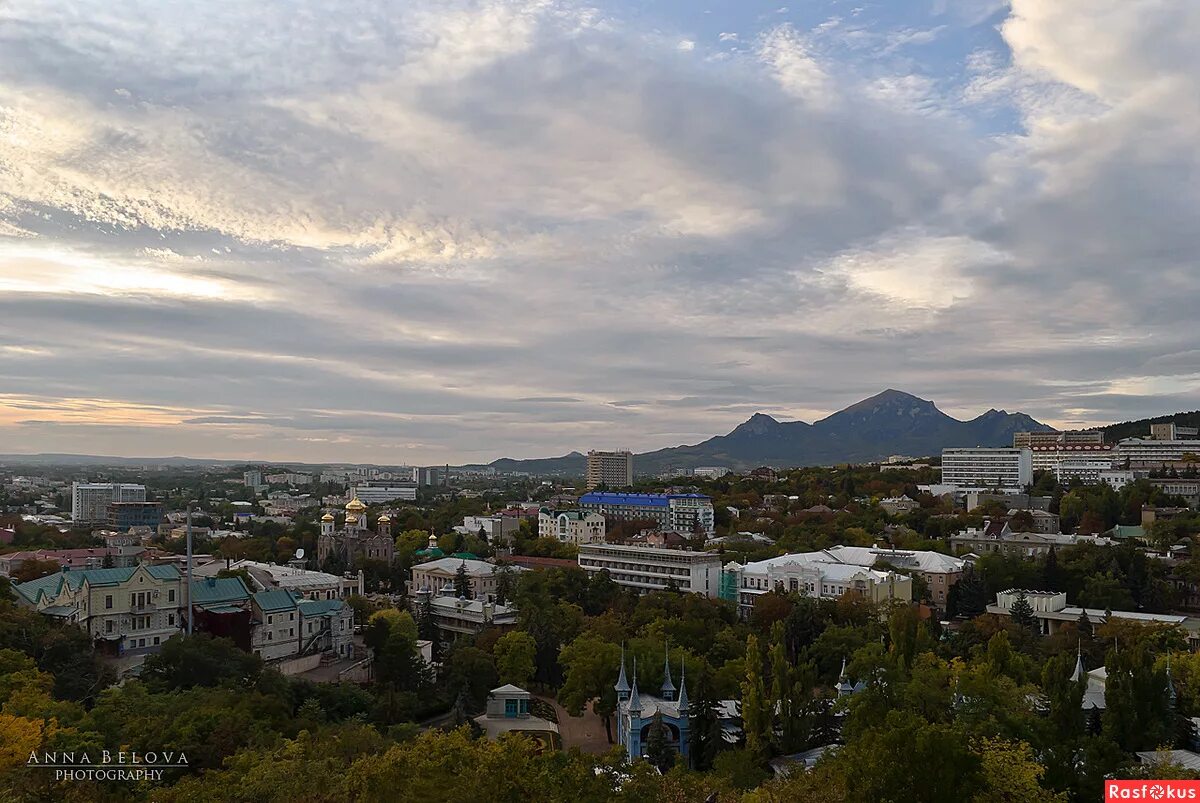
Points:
x=1048, y=458
x=1086, y=469
x=814, y=577
x=984, y=467
x=614, y=469
x=498, y=529
x=571, y=526
x=382, y=494
x=90, y=500
x=654, y=569
x=1149, y=453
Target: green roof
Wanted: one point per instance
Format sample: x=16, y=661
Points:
x=215, y=590
x=1128, y=531
x=221, y=608
x=275, y=600
x=51, y=584
x=320, y=607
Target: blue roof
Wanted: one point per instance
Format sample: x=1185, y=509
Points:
x=275, y=600
x=639, y=500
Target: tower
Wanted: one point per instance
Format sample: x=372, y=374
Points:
x=634, y=743
x=356, y=516
x=384, y=526
x=327, y=524
x=668, y=688
x=622, y=687
x=685, y=721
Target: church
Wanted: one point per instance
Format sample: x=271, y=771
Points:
x=635, y=711
x=355, y=543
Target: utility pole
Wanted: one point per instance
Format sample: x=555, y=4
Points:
x=189, y=568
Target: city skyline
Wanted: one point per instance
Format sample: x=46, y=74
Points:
x=456, y=231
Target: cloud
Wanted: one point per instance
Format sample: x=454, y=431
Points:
x=441, y=231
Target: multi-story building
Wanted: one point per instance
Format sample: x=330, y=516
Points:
x=439, y=575
x=1055, y=438
x=382, y=494
x=1087, y=469
x=1048, y=458
x=299, y=581
x=496, y=529
x=1051, y=611
x=125, y=515
x=940, y=572
x=611, y=469
x=995, y=536
x=1151, y=453
x=252, y=479
x=431, y=476
x=90, y=500
x=985, y=467
x=682, y=512
x=645, y=568
x=712, y=472
x=1188, y=488
x=454, y=616
x=571, y=526
x=355, y=544
x=1170, y=431
x=803, y=575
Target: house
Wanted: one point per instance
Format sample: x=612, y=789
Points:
x=436, y=575
x=455, y=616
x=898, y=505
x=811, y=575
x=571, y=526
x=940, y=572
x=508, y=711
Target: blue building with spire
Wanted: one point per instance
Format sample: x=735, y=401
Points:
x=636, y=710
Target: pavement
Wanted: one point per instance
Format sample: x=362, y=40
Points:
x=585, y=732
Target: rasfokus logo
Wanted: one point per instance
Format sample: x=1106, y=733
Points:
x=1151, y=790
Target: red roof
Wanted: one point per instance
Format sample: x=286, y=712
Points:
x=536, y=562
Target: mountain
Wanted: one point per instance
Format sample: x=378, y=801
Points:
x=891, y=422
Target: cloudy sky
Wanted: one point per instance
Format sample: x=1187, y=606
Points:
x=445, y=230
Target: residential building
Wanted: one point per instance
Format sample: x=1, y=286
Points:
x=454, y=616
x=983, y=467
x=897, y=505
x=1051, y=611
x=498, y=529
x=126, y=515
x=508, y=712
x=712, y=472
x=355, y=543
x=610, y=469
x=1155, y=453
x=811, y=576
x=1188, y=488
x=1085, y=468
x=252, y=479
x=1170, y=431
x=646, y=568
x=1119, y=478
x=121, y=557
x=995, y=536
x=431, y=476
x=1043, y=520
x=681, y=512
x=382, y=494
x=940, y=572
x=438, y=576
x=1055, y=438
x=90, y=500
x=571, y=526
x=306, y=583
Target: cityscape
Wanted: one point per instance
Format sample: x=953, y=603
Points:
x=549, y=400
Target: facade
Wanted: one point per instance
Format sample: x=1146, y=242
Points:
x=637, y=712
x=252, y=479
x=306, y=583
x=983, y=467
x=497, y=529
x=436, y=575
x=940, y=572
x=646, y=568
x=996, y=537
x=382, y=494
x=571, y=526
x=1085, y=468
x=1189, y=489
x=454, y=617
x=1170, y=431
x=611, y=469
x=508, y=712
x=1151, y=453
x=355, y=544
x=1078, y=437
x=126, y=515
x=712, y=472
x=1050, y=458
x=1051, y=611
x=681, y=512
x=810, y=575
x=90, y=500
x=896, y=505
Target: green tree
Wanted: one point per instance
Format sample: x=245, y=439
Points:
x=515, y=653
x=756, y=714
x=462, y=583
x=200, y=660
x=590, y=667
x=704, y=726
x=658, y=751
x=1022, y=612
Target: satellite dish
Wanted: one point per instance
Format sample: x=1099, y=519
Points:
x=300, y=553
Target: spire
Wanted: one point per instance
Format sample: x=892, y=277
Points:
x=842, y=674
x=668, y=688
x=1170, y=684
x=622, y=686
x=1078, y=673
x=683, y=700
x=635, y=700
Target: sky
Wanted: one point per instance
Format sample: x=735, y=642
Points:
x=429, y=231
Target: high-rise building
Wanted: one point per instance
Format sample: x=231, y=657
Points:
x=612, y=469
x=984, y=467
x=90, y=500
x=252, y=479
x=1078, y=437
x=1170, y=431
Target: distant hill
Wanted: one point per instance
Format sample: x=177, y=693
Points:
x=892, y=422
x=1141, y=427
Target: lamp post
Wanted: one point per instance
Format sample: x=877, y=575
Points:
x=189, y=569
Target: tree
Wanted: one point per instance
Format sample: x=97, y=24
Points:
x=970, y=594
x=472, y=671
x=515, y=653
x=704, y=726
x=1022, y=612
x=658, y=752
x=1011, y=774
x=200, y=660
x=756, y=716
x=504, y=584
x=33, y=569
x=462, y=583
x=590, y=666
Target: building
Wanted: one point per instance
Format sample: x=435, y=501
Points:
x=1187, y=488
x=431, y=476
x=610, y=469
x=306, y=583
x=896, y=505
x=252, y=479
x=1084, y=468
x=116, y=557
x=1043, y=520
x=983, y=467
x=355, y=544
x=1152, y=453
x=645, y=568
x=1051, y=611
x=940, y=572
x=712, y=472
x=1170, y=431
x=1050, y=458
x=637, y=712
x=1079, y=437
x=454, y=616
x=508, y=712
x=497, y=529
x=680, y=512
x=571, y=526
x=126, y=515
x=810, y=576
x=995, y=536
x=90, y=500
x=382, y=494
x=438, y=576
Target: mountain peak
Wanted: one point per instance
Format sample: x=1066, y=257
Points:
x=757, y=424
x=889, y=399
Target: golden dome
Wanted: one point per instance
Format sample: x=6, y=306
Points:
x=327, y=517
x=385, y=519
x=355, y=505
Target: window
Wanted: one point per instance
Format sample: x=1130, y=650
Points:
x=270, y=636
x=108, y=626
x=291, y=631
x=156, y=640
x=524, y=706
x=171, y=595
x=108, y=601
x=510, y=708
x=291, y=617
x=310, y=627
x=270, y=620
x=171, y=619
